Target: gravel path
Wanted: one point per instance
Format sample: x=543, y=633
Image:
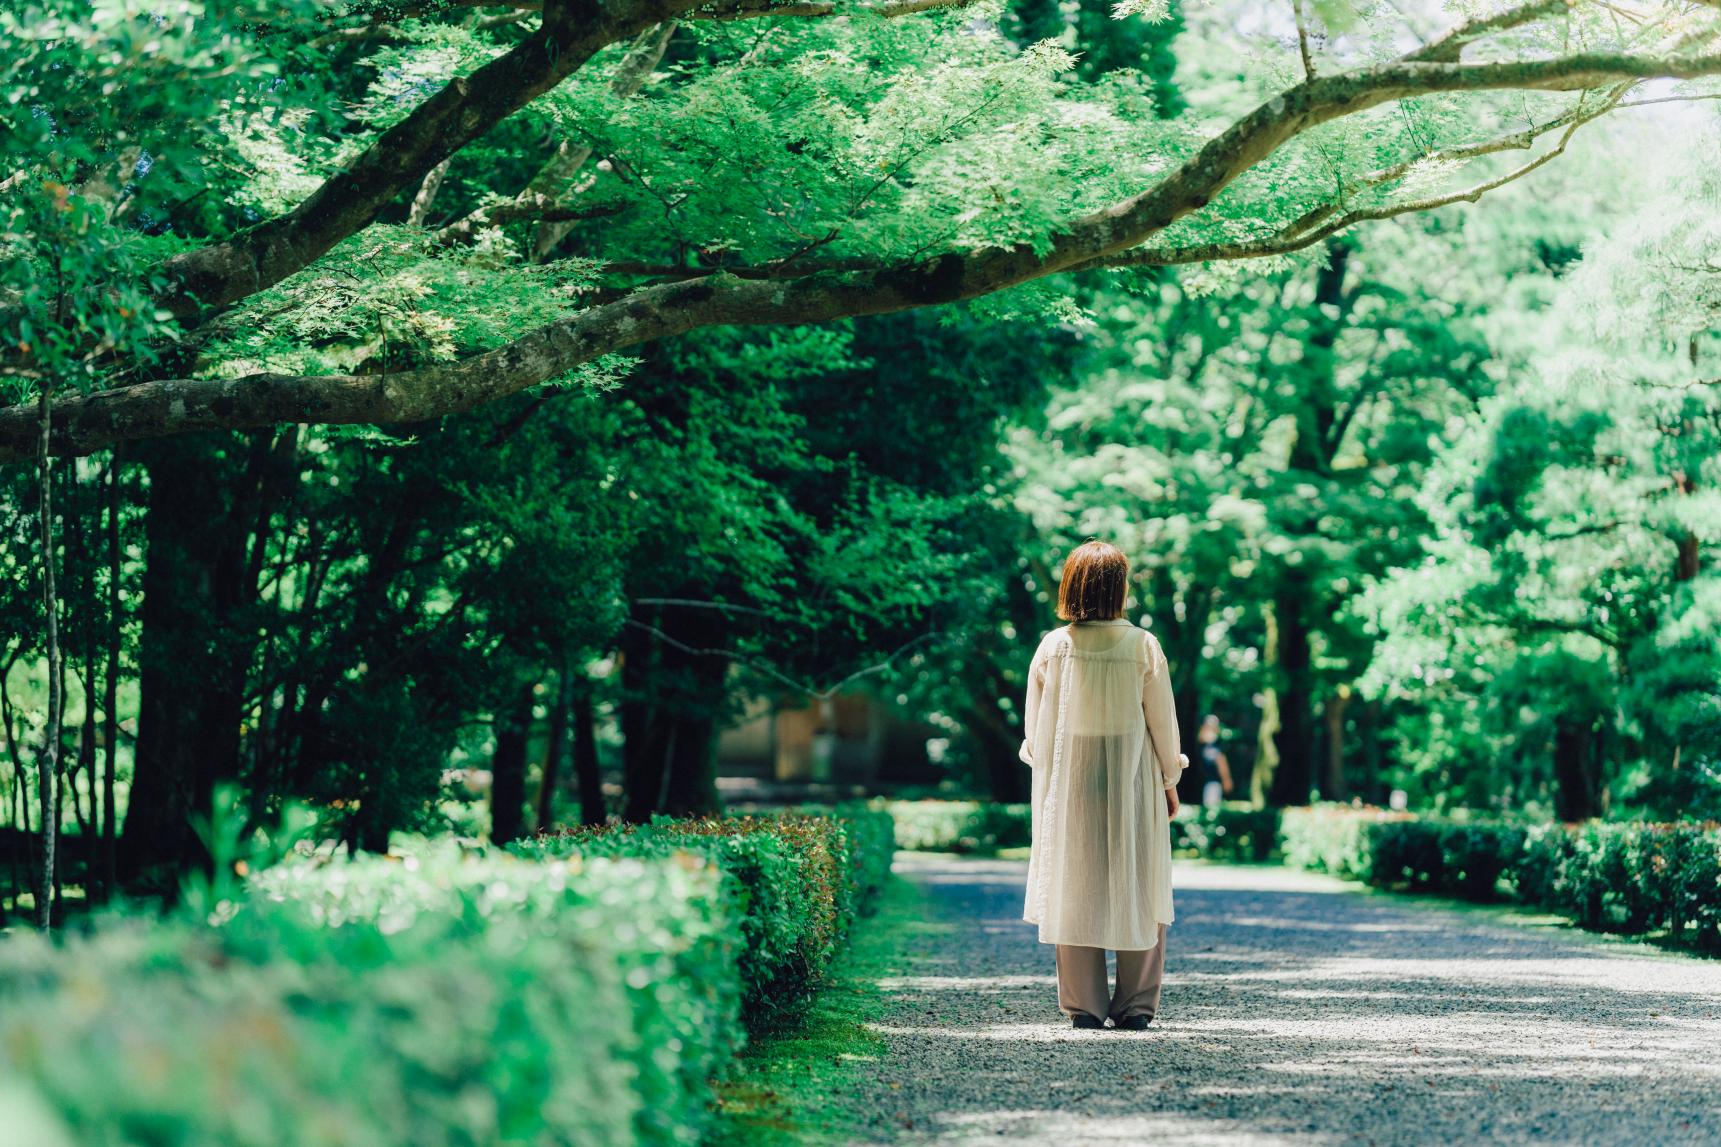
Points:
x=1295, y=1012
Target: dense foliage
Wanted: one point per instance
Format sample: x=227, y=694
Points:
x=587, y=996
x=1618, y=877
x=448, y=1002
x=455, y=415
x=800, y=880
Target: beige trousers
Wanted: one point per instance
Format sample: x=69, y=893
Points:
x=1082, y=981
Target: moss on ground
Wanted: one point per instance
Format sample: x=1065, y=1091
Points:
x=799, y=1085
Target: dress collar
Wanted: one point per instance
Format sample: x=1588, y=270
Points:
x=1112, y=621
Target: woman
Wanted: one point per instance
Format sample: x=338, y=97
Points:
x=1101, y=736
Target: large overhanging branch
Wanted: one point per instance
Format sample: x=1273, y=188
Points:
x=157, y=409
x=571, y=32
x=1329, y=219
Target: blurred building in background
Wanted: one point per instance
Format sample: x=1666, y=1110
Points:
x=846, y=744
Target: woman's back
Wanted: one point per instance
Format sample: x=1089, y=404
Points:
x=1099, y=873
x=1108, y=662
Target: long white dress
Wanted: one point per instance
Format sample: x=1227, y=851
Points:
x=1100, y=731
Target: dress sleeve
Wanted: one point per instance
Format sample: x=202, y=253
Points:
x=1031, y=707
x=1161, y=710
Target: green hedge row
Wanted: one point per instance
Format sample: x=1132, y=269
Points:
x=959, y=826
x=455, y=1001
x=587, y=996
x=1621, y=877
x=799, y=878
x=1233, y=832
x=1230, y=832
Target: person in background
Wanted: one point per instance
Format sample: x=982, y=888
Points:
x=1215, y=769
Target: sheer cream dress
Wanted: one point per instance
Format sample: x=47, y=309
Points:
x=1100, y=731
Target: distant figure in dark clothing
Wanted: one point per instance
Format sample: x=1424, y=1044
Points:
x=1215, y=769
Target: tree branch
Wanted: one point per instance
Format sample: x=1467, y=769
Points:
x=347, y=202
x=546, y=187
x=1320, y=223
x=155, y=409
x=1448, y=48
x=1303, y=40
x=812, y=9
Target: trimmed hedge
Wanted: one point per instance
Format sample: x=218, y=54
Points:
x=454, y=1003
x=798, y=879
x=1235, y=831
x=960, y=826
x=587, y=997
x=1629, y=878
x=1330, y=838
x=1619, y=877
x=872, y=843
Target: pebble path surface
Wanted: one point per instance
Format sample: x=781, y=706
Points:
x=1296, y=1010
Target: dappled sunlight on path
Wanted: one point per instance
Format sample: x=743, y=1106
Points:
x=1296, y=1011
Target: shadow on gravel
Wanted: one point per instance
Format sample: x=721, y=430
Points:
x=1297, y=1017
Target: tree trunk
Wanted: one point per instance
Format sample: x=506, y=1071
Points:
x=692, y=772
x=999, y=746
x=673, y=687
x=1690, y=558
x=47, y=762
x=426, y=195
x=586, y=770
x=1295, y=740
x=1294, y=601
x=192, y=658
x=110, y=700
x=508, y=771
x=1334, y=787
x=1377, y=791
x=645, y=741
x=77, y=589
x=555, y=745
x=23, y=851
x=1577, y=783
x=1266, y=748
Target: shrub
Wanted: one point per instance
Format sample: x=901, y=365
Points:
x=666, y=927
x=1693, y=882
x=1476, y=856
x=1331, y=838
x=1458, y=858
x=1234, y=831
x=1629, y=877
x=1622, y=877
x=445, y=1002
x=588, y=996
x=1402, y=854
x=1541, y=863
x=872, y=843
x=797, y=880
x=960, y=826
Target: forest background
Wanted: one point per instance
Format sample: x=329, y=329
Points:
x=1408, y=424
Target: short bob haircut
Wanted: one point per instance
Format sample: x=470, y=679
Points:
x=1096, y=575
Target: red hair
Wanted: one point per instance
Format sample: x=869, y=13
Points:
x=1096, y=575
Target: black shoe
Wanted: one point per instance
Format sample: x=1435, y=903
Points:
x=1086, y=1023
x=1132, y=1023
